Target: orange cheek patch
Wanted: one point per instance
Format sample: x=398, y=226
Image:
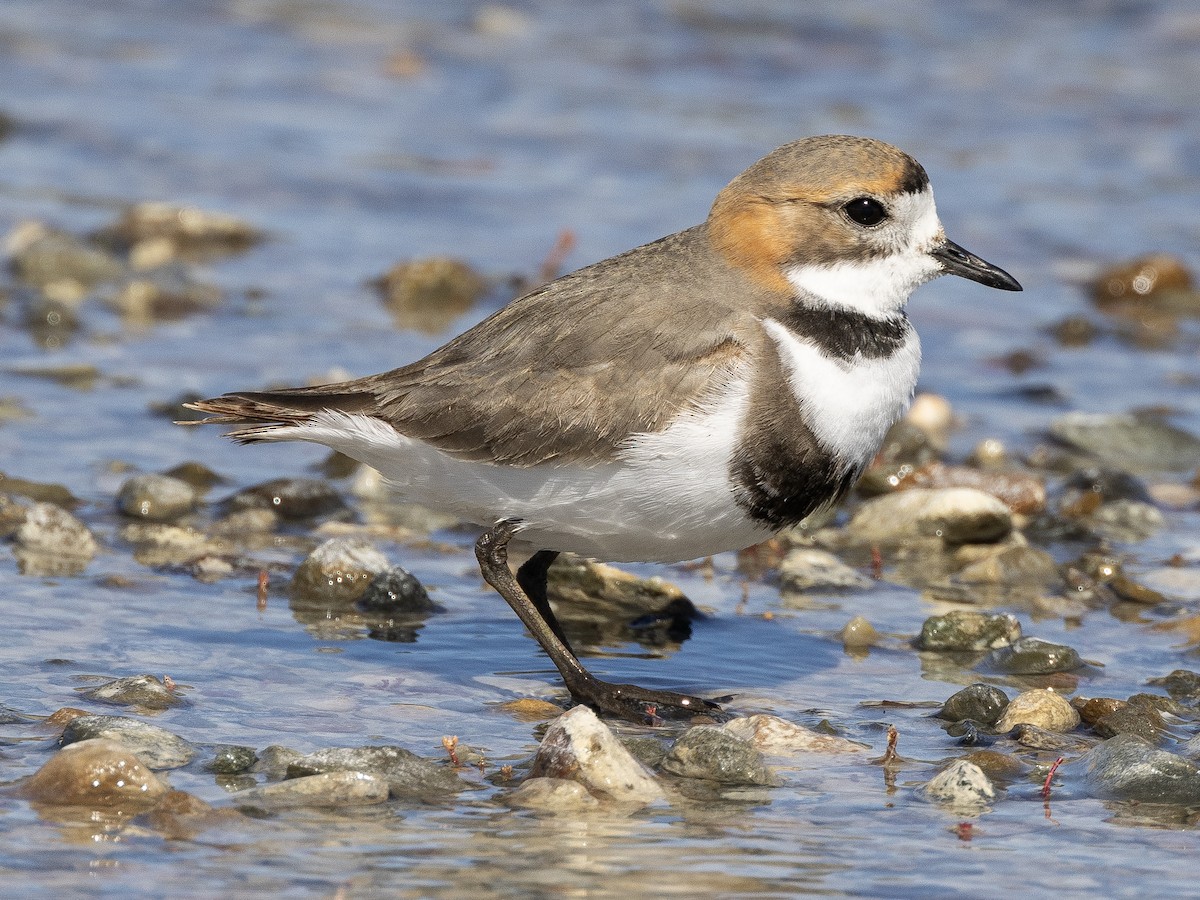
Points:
x=752, y=237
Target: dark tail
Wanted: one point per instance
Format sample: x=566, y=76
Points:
x=267, y=411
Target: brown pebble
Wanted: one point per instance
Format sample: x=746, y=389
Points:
x=96, y=773
x=1141, y=278
x=529, y=709
x=1093, y=709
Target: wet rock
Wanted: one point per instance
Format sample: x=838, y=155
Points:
x=142, y=302
x=245, y=522
x=1042, y=708
x=1132, y=592
x=968, y=630
x=155, y=233
x=157, y=544
x=579, y=747
x=905, y=448
x=1075, y=331
x=1092, y=709
x=156, y=747
x=647, y=750
x=156, y=498
x=598, y=603
x=1127, y=520
x=231, y=759
x=338, y=572
x=396, y=592
x=530, y=709
x=144, y=691
x=291, y=498
x=1128, y=442
x=12, y=515
x=47, y=258
x=197, y=474
x=100, y=774
x=858, y=634
x=274, y=760
x=1182, y=685
x=551, y=795
x=1018, y=565
x=977, y=702
x=961, y=785
x=51, y=541
x=774, y=736
x=714, y=754
x=428, y=294
x=1129, y=718
x=180, y=816
x=407, y=775
x=1140, y=279
x=1033, y=656
x=1050, y=741
x=951, y=515
x=1128, y=767
x=1020, y=492
x=810, y=569
x=327, y=789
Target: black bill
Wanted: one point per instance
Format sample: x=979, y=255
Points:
x=957, y=261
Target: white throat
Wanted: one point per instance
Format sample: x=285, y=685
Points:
x=880, y=286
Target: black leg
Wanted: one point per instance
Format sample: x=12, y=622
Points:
x=531, y=576
x=625, y=700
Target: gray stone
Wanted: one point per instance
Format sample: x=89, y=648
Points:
x=968, y=630
x=156, y=498
x=810, y=569
x=950, y=515
x=1128, y=442
x=396, y=592
x=1033, y=656
x=579, y=747
x=291, y=498
x=326, y=789
x=407, y=775
x=714, y=754
x=961, y=785
x=231, y=759
x=1128, y=767
x=156, y=747
x=144, y=691
x=979, y=702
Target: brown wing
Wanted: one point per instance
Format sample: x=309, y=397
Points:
x=564, y=373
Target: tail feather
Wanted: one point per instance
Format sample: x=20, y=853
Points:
x=268, y=411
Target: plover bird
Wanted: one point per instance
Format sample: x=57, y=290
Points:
x=688, y=397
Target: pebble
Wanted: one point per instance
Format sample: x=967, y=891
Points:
x=1092, y=709
x=51, y=529
x=714, y=754
x=1182, y=685
x=156, y=747
x=530, y=709
x=1040, y=707
x=395, y=591
x=981, y=703
x=1020, y=492
x=579, y=747
x=38, y=491
x=1128, y=767
x=291, y=498
x=551, y=795
x=858, y=634
x=97, y=773
x=968, y=630
x=961, y=785
x=338, y=572
x=156, y=498
x=159, y=544
x=406, y=774
x=1140, y=279
x=180, y=816
x=1130, y=718
x=142, y=303
x=327, y=789
x=1127, y=442
x=1018, y=564
x=953, y=515
x=162, y=231
x=274, y=760
x=428, y=294
x=1127, y=520
x=774, y=736
x=1051, y=741
x=231, y=759
x=810, y=569
x=143, y=691
x=1033, y=656
x=45, y=257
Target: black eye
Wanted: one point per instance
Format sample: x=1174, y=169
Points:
x=865, y=211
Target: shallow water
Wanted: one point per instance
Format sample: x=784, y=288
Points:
x=1058, y=138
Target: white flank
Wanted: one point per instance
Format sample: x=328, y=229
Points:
x=666, y=497
x=881, y=286
x=848, y=405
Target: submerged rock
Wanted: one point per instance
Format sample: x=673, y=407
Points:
x=45, y=257
x=231, y=759
x=156, y=498
x=968, y=630
x=52, y=542
x=143, y=691
x=96, y=773
x=579, y=747
x=551, y=795
x=714, y=754
x=961, y=785
x=1128, y=767
x=396, y=591
x=156, y=747
x=1129, y=442
x=774, y=736
x=1042, y=708
x=951, y=515
x=327, y=789
x=429, y=294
